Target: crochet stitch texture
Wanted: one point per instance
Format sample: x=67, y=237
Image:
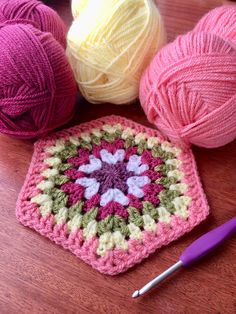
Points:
x=112, y=192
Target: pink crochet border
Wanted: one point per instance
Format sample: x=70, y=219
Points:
x=118, y=260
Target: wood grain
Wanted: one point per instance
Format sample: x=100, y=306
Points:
x=36, y=276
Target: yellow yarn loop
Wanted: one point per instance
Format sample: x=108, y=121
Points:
x=110, y=43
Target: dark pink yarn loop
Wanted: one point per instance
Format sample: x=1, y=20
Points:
x=20, y=21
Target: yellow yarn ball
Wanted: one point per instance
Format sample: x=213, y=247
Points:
x=110, y=43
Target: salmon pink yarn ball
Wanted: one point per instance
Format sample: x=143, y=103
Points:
x=220, y=21
x=37, y=86
x=189, y=89
x=35, y=12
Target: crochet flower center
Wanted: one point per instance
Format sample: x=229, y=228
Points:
x=112, y=176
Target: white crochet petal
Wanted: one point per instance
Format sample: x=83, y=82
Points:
x=119, y=155
x=91, y=185
x=133, y=163
x=107, y=197
x=136, y=183
x=135, y=190
x=119, y=197
x=91, y=190
x=110, y=158
x=114, y=195
x=141, y=169
x=86, y=181
x=94, y=164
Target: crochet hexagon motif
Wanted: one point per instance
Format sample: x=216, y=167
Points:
x=112, y=192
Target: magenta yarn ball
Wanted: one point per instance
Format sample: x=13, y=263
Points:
x=220, y=21
x=37, y=86
x=35, y=12
x=189, y=89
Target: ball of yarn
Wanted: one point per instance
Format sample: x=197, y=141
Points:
x=35, y=12
x=37, y=86
x=189, y=90
x=109, y=45
x=220, y=21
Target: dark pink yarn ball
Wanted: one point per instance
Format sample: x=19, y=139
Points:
x=37, y=86
x=220, y=21
x=33, y=11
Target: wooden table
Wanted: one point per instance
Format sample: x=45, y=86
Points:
x=36, y=276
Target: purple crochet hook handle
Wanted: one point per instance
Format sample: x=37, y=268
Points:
x=208, y=242
x=198, y=249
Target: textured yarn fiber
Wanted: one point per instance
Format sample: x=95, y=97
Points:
x=35, y=12
x=109, y=45
x=189, y=89
x=37, y=86
x=221, y=21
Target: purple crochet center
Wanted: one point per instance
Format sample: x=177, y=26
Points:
x=112, y=176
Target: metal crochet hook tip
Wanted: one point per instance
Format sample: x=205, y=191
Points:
x=195, y=251
x=157, y=280
x=135, y=294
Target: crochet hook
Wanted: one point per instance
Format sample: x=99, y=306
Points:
x=194, y=252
